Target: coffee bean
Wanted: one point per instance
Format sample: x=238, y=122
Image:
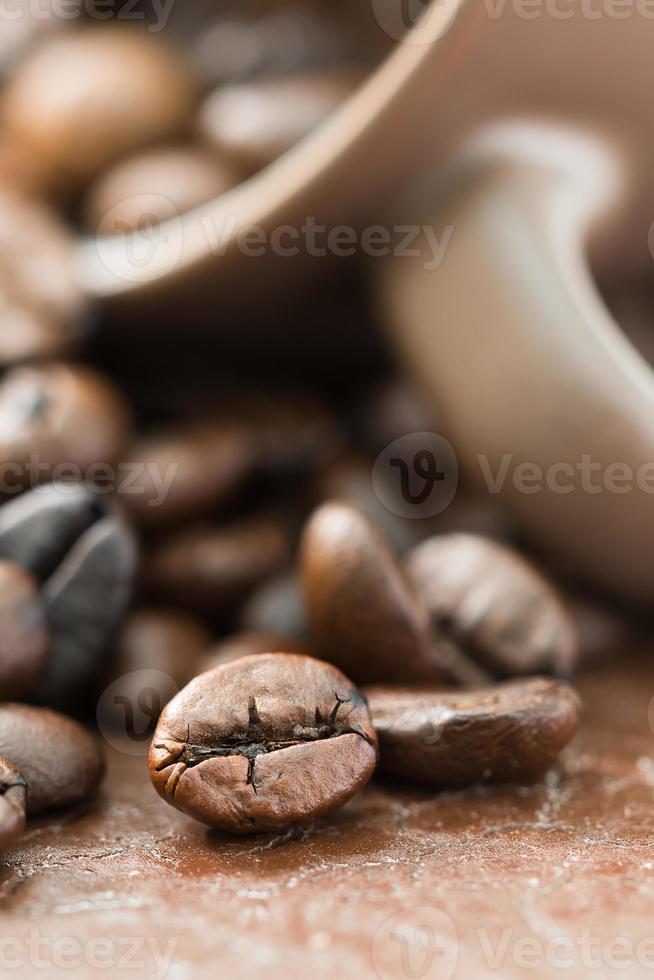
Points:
x=85, y=601
x=212, y=569
x=263, y=743
x=254, y=123
x=156, y=651
x=494, y=605
x=42, y=308
x=249, y=645
x=189, y=472
x=24, y=638
x=13, y=800
x=154, y=186
x=57, y=415
x=38, y=528
x=362, y=612
x=510, y=732
x=85, y=98
x=83, y=556
x=60, y=761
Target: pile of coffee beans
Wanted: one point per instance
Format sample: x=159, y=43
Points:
x=193, y=550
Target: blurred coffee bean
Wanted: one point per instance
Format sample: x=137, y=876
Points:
x=510, y=732
x=188, y=472
x=23, y=632
x=85, y=601
x=363, y=614
x=56, y=418
x=13, y=801
x=84, y=558
x=41, y=306
x=38, y=528
x=493, y=604
x=277, y=606
x=249, y=645
x=213, y=569
x=158, y=184
x=85, y=98
x=58, y=758
x=253, y=124
x=153, y=645
x=291, y=434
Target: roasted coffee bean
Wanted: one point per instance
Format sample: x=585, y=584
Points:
x=24, y=637
x=362, y=612
x=84, y=558
x=494, y=605
x=59, y=416
x=85, y=98
x=254, y=123
x=189, y=472
x=154, y=186
x=60, y=761
x=213, y=569
x=263, y=743
x=249, y=645
x=510, y=732
x=41, y=306
x=277, y=606
x=157, y=651
x=13, y=800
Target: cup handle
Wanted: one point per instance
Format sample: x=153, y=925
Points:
x=545, y=400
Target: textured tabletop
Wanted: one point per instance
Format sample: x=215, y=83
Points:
x=550, y=880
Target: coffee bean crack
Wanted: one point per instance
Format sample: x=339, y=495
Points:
x=254, y=742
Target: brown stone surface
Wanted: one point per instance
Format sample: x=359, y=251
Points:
x=516, y=871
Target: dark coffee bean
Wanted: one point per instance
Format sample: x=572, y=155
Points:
x=38, y=528
x=277, y=606
x=189, y=472
x=57, y=415
x=151, y=97
x=13, y=801
x=494, y=605
x=83, y=556
x=24, y=635
x=85, y=600
x=60, y=761
x=157, y=652
x=249, y=645
x=254, y=123
x=362, y=612
x=510, y=732
x=263, y=743
x=212, y=569
x=154, y=186
x=42, y=308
